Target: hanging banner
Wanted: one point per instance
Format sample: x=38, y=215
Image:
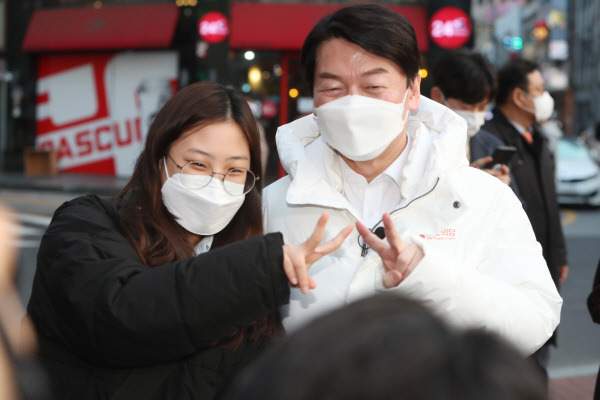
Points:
x=95, y=109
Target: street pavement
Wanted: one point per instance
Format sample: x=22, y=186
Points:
x=572, y=388
x=573, y=364
x=63, y=183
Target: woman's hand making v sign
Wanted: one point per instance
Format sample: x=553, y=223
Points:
x=297, y=258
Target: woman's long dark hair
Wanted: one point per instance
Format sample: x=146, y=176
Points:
x=149, y=226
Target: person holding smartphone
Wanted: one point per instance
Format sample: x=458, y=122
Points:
x=465, y=81
x=522, y=103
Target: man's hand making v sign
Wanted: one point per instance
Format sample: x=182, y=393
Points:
x=399, y=257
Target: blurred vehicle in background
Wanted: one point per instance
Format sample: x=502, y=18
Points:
x=577, y=174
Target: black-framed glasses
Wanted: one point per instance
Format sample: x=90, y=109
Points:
x=196, y=175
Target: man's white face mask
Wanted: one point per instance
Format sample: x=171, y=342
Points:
x=543, y=106
x=475, y=119
x=360, y=127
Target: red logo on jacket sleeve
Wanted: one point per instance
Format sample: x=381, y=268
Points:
x=445, y=234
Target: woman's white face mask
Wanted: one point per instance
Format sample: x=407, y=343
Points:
x=203, y=211
x=360, y=127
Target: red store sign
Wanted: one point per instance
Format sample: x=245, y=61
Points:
x=450, y=27
x=213, y=27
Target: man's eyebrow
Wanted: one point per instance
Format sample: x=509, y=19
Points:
x=374, y=71
x=327, y=75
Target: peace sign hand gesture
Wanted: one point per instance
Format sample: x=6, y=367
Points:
x=297, y=258
x=399, y=258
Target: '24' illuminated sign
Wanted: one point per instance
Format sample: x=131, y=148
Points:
x=450, y=27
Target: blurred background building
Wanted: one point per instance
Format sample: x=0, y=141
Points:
x=584, y=78
x=82, y=78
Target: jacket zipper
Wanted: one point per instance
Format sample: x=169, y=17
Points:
x=365, y=247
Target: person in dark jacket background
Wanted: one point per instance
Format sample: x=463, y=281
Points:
x=593, y=305
x=521, y=104
x=465, y=81
x=168, y=290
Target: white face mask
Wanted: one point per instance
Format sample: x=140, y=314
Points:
x=475, y=119
x=360, y=127
x=204, y=211
x=543, y=107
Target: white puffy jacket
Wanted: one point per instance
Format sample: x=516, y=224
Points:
x=482, y=266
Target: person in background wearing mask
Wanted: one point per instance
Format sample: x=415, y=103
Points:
x=166, y=291
x=378, y=154
x=521, y=104
x=465, y=82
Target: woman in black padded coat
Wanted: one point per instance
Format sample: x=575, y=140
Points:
x=167, y=290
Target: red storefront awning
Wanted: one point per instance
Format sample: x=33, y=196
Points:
x=147, y=26
x=284, y=26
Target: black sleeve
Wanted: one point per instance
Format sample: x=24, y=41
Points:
x=593, y=300
x=482, y=145
x=93, y=294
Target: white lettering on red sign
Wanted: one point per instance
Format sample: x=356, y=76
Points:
x=95, y=109
x=455, y=27
x=213, y=27
x=88, y=142
x=450, y=27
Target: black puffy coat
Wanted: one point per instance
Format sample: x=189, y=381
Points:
x=111, y=328
x=533, y=171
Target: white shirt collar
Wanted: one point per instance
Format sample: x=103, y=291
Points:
x=393, y=171
x=380, y=195
x=204, y=245
x=518, y=127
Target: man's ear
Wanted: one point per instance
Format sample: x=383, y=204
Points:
x=414, y=94
x=437, y=95
x=516, y=96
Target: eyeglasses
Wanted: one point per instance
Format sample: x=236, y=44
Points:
x=196, y=175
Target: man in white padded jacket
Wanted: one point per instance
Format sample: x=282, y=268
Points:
x=377, y=154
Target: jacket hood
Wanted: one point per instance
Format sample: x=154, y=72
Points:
x=437, y=146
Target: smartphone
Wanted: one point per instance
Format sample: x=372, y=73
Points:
x=502, y=155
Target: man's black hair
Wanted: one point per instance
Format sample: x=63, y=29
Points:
x=513, y=75
x=375, y=28
x=465, y=75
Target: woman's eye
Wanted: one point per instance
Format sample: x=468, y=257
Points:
x=199, y=166
x=236, y=171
